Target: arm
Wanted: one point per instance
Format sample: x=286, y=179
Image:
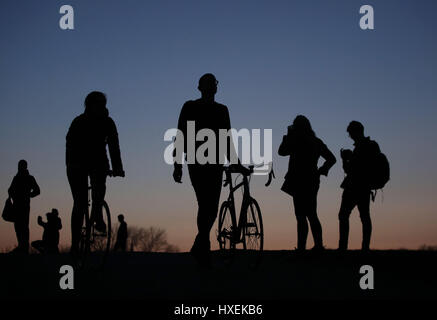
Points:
x=181, y=136
x=284, y=148
x=35, y=189
x=346, y=156
x=329, y=160
x=41, y=223
x=71, y=141
x=180, y=142
x=11, y=189
x=231, y=152
x=114, y=149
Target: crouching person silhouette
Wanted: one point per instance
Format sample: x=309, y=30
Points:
x=357, y=185
x=50, y=236
x=303, y=177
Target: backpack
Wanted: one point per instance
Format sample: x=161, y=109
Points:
x=379, y=172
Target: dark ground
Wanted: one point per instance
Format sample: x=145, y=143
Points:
x=281, y=275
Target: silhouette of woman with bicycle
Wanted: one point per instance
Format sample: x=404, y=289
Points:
x=303, y=177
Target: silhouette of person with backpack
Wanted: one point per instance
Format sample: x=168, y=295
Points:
x=303, y=177
x=86, y=157
x=120, y=244
x=50, y=236
x=357, y=184
x=206, y=178
x=23, y=187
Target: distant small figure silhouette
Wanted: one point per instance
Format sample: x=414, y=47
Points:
x=50, y=237
x=205, y=178
x=303, y=177
x=120, y=244
x=23, y=187
x=86, y=156
x=357, y=185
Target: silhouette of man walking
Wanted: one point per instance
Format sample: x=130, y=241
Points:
x=356, y=184
x=50, y=236
x=86, y=156
x=23, y=187
x=120, y=244
x=205, y=178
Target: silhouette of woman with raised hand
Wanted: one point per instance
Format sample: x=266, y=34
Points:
x=86, y=156
x=303, y=177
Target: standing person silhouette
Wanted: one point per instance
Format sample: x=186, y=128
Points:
x=356, y=184
x=205, y=178
x=86, y=156
x=120, y=244
x=23, y=187
x=303, y=177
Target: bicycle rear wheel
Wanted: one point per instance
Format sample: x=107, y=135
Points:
x=253, y=232
x=84, y=244
x=226, y=227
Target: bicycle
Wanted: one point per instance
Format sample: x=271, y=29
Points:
x=93, y=241
x=249, y=230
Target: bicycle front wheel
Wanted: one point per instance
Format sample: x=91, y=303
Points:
x=253, y=232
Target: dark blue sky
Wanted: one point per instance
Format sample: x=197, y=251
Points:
x=273, y=59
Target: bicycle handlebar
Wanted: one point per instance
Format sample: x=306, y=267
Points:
x=271, y=177
x=234, y=168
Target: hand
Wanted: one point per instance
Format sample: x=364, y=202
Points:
x=177, y=174
x=118, y=173
x=346, y=154
x=323, y=171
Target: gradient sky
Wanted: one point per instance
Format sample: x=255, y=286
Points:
x=273, y=59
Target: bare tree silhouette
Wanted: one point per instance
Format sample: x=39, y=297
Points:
x=151, y=239
x=171, y=248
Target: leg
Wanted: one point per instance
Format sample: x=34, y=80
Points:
x=52, y=249
x=21, y=226
x=316, y=227
x=206, y=182
x=79, y=188
x=302, y=224
x=347, y=205
x=123, y=246
x=364, y=209
x=98, y=191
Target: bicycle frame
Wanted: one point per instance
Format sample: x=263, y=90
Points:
x=237, y=236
